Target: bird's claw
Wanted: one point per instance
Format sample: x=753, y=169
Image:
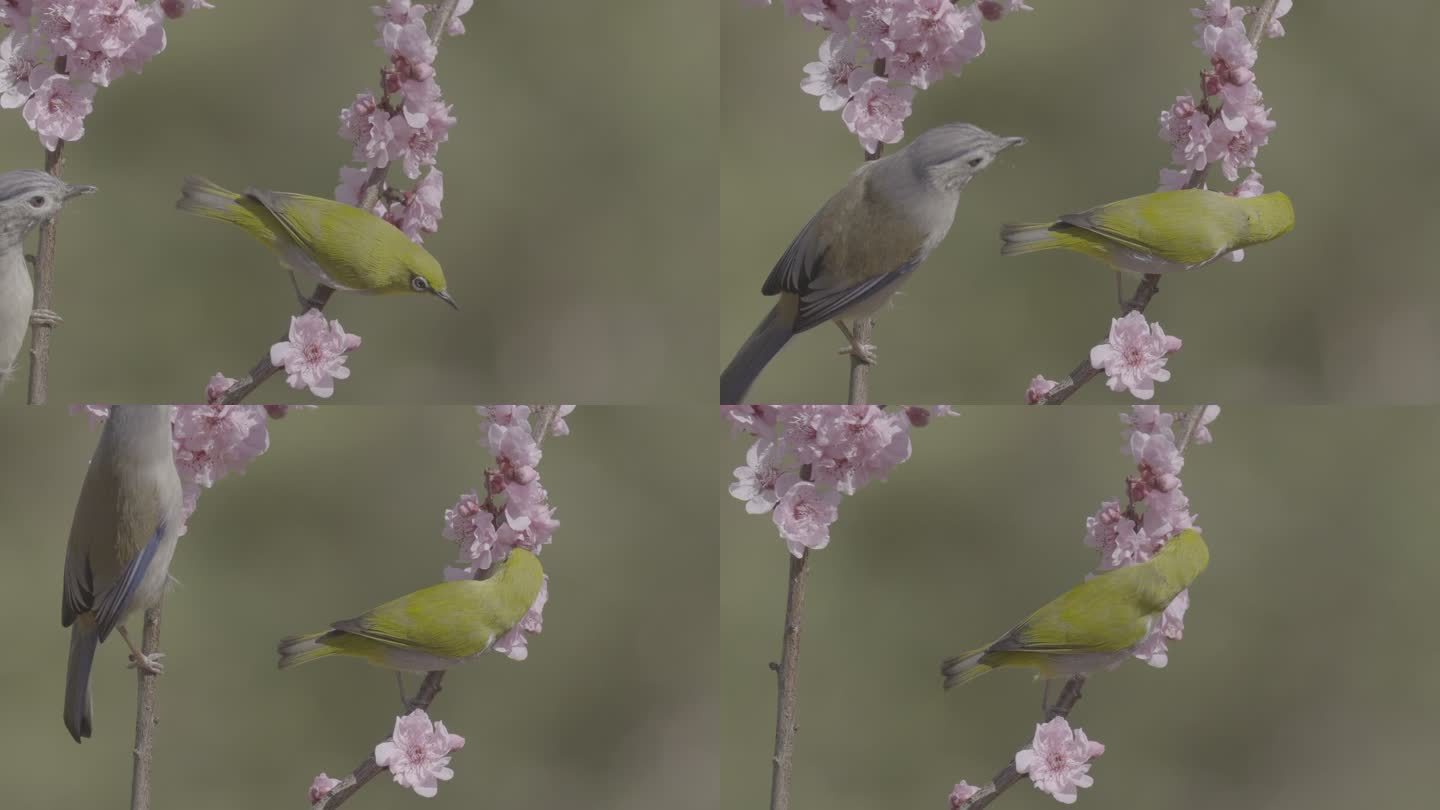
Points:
x=864, y=352
x=149, y=664
x=45, y=317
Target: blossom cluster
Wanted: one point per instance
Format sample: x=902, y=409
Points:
x=1155, y=509
x=211, y=441
x=98, y=40
x=1133, y=358
x=406, y=124
x=920, y=40
x=513, y=511
x=314, y=355
x=418, y=752
x=1230, y=122
x=805, y=457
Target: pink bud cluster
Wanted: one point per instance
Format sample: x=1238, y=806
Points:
x=1155, y=509
x=843, y=447
x=514, y=510
x=406, y=124
x=1230, y=123
x=314, y=356
x=920, y=40
x=99, y=40
x=210, y=441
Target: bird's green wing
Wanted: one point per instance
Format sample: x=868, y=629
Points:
x=1188, y=227
x=451, y=620
x=1104, y=615
x=350, y=244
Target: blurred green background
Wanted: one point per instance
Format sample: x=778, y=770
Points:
x=615, y=707
x=1304, y=679
x=1340, y=310
x=578, y=184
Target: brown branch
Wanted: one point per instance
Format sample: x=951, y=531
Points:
x=45, y=282
x=787, y=688
x=1070, y=695
x=369, y=194
x=431, y=685
x=145, y=719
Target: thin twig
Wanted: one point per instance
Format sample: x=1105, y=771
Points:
x=145, y=719
x=787, y=690
x=369, y=194
x=431, y=685
x=45, y=282
x=863, y=329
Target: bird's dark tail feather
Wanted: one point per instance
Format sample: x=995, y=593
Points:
x=763, y=344
x=83, y=641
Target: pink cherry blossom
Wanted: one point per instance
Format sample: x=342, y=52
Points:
x=1037, y=390
x=1058, y=759
x=321, y=787
x=456, y=26
x=755, y=482
x=418, y=133
x=1134, y=356
x=58, y=107
x=1169, y=626
x=314, y=356
x=1103, y=527
x=828, y=14
x=367, y=126
x=15, y=14
x=1147, y=419
x=961, y=793
x=1131, y=545
x=514, y=644
x=804, y=514
x=348, y=192
x=829, y=78
x=17, y=63
x=1202, y=431
x=418, y=210
x=418, y=752
x=876, y=112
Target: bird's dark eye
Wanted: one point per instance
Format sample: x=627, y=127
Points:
x=419, y=284
x=37, y=201
x=976, y=161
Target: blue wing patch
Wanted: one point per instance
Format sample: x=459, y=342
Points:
x=112, y=606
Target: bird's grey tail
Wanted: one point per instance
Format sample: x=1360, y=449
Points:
x=200, y=196
x=763, y=344
x=83, y=641
x=297, y=650
x=1026, y=237
x=964, y=668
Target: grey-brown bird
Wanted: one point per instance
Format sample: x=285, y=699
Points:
x=853, y=255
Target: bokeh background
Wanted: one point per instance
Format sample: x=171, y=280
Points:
x=1304, y=678
x=1339, y=310
x=615, y=707
x=579, y=187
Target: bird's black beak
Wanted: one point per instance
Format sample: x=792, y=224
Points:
x=445, y=296
x=71, y=192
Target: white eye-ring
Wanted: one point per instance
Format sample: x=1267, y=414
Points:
x=419, y=284
x=37, y=201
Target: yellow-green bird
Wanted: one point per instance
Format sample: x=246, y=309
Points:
x=1094, y=625
x=339, y=245
x=1161, y=232
x=433, y=628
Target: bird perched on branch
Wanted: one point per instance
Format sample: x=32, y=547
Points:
x=433, y=628
x=853, y=255
x=27, y=199
x=1160, y=232
x=121, y=540
x=338, y=245
x=1094, y=625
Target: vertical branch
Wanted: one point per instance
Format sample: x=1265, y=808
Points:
x=145, y=716
x=864, y=328
x=45, y=283
x=787, y=696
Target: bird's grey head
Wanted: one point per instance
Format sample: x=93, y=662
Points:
x=28, y=198
x=949, y=155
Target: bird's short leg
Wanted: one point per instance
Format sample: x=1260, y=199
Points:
x=306, y=302
x=1045, y=699
x=865, y=352
x=400, y=682
x=1120, y=293
x=45, y=317
x=145, y=663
